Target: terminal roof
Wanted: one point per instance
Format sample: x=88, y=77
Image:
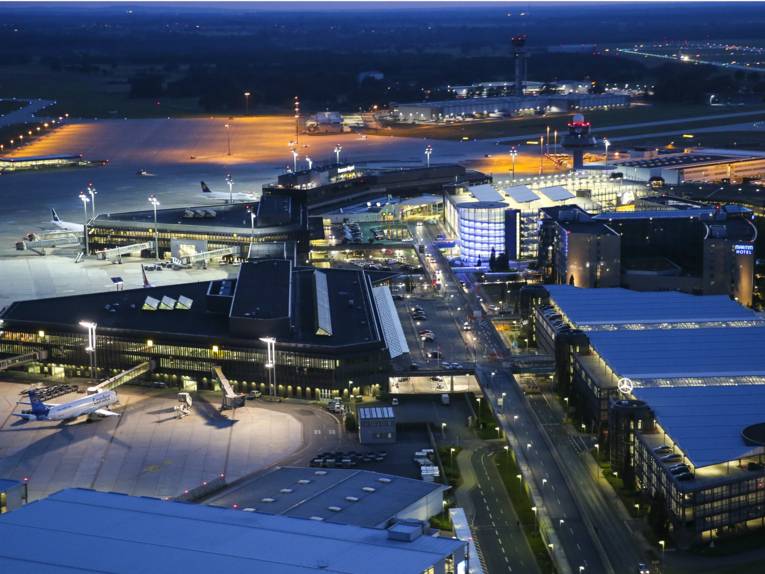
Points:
x=706, y=422
x=359, y=497
x=81, y=530
x=617, y=306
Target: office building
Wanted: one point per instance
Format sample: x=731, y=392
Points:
x=694, y=166
x=671, y=370
x=334, y=329
x=377, y=425
x=76, y=530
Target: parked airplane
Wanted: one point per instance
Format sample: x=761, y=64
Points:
x=91, y=405
x=65, y=225
x=235, y=196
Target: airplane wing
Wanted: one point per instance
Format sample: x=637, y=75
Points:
x=105, y=413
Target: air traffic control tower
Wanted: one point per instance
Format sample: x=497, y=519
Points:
x=578, y=140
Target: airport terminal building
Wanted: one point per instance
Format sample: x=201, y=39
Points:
x=334, y=330
x=668, y=379
x=278, y=220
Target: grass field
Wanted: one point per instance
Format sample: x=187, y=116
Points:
x=515, y=127
x=11, y=106
x=93, y=95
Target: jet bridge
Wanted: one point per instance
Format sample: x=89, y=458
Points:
x=39, y=242
x=231, y=400
x=206, y=256
x=122, y=378
x=116, y=253
x=32, y=357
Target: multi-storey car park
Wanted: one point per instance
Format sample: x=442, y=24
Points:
x=667, y=379
x=334, y=330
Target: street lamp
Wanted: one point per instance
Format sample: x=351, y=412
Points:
x=544, y=482
x=252, y=226
x=85, y=199
x=548, y=139
x=507, y=451
x=92, y=192
x=294, y=160
x=606, y=143
x=541, y=153
x=443, y=430
x=297, y=120
x=452, y=450
x=662, y=543
x=513, y=155
x=91, y=348
x=309, y=161
x=228, y=137
x=230, y=182
x=428, y=151
x=154, y=203
x=338, y=149
x=247, y=103
x=555, y=142
x=499, y=433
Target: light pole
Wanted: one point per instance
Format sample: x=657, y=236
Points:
x=92, y=192
x=451, y=456
x=252, y=226
x=548, y=139
x=541, y=153
x=338, y=149
x=85, y=199
x=154, y=203
x=309, y=161
x=247, y=103
x=513, y=155
x=428, y=151
x=228, y=137
x=294, y=160
x=606, y=143
x=91, y=348
x=555, y=142
x=297, y=120
x=230, y=182
x=271, y=361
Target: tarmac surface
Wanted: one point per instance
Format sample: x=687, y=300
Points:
x=146, y=451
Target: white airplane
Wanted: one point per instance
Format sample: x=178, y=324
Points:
x=234, y=196
x=65, y=225
x=91, y=405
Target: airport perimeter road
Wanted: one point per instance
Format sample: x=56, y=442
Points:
x=500, y=539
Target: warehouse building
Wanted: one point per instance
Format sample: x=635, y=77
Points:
x=331, y=327
x=358, y=497
x=458, y=109
x=695, y=166
x=666, y=379
x=76, y=530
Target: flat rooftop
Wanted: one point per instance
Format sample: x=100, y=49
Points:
x=124, y=312
x=683, y=357
x=270, y=211
x=82, y=530
x=359, y=497
x=706, y=422
x=675, y=161
x=588, y=309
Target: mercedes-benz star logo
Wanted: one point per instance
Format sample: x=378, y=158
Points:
x=625, y=386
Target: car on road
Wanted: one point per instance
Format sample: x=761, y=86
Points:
x=420, y=317
x=423, y=332
x=398, y=297
x=253, y=395
x=414, y=367
x=428, y=338
x=435, y=355
x=467, y=326
x=437, y=379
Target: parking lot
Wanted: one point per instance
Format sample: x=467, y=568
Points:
x=147, y=451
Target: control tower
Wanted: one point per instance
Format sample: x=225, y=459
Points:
x=578, y=140
x=519, y=57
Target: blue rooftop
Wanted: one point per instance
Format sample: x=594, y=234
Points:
x=706, y=422
x=683, y=353
x=615, y=306
x=87, y=531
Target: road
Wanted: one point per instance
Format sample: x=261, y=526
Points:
x=573, y=501
x=501, y=542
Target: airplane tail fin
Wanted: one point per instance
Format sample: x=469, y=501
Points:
x=145, y=277
x=38, y=407
x=54, y=215
x=205, y=189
